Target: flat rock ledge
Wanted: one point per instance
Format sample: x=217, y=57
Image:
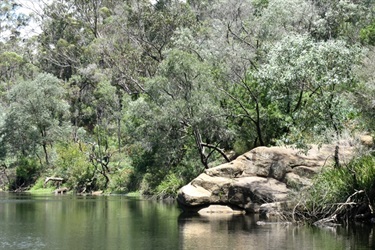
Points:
x=220, y=210
x=264, y=175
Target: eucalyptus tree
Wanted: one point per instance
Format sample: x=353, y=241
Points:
x=91, y=14
x=179, y=121
x=108, y=116
x=243, y=37
x=306, y=83
x=36, y=117
x=61, y=43
x=13, y=64
x=236, y=37
x=135, y=38
x=10, y=20
x=68, y=29
x=365, y=95
x=96, y=108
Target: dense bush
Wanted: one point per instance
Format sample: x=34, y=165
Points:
x=27, y=172
x=75, y=168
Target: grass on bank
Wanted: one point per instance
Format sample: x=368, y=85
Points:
x=340, y=194
x=39, y=188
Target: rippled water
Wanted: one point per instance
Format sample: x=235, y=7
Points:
x=119, y=222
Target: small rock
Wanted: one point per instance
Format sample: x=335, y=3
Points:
x=219, y=209
x=97, y=193
x=367, y=140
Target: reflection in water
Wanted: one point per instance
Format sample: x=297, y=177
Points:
x=69, y=222
x=242, y=232
x=118, y=222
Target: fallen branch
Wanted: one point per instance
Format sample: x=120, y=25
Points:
x=332, y=219
x=58, y=179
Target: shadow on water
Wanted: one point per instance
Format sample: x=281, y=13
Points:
x=243, y=232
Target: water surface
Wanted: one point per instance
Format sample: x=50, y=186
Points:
x=120, y=222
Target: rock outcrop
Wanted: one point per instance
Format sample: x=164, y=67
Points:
x=262, y=175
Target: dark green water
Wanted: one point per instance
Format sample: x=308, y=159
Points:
x=119, y=222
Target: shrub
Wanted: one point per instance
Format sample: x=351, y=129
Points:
x=367, y=34
x=40, y=188
x=336, y=184
x=340, y=191
x=27, y=172
x=169, y=186
x=74, y=166
x=120, y=180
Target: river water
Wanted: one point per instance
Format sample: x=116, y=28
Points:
x=120, y=222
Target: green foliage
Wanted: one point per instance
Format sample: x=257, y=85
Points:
x=73, y=165
x=36, y=116
x=338, y=19
x=27, y=172
x=334, y=185
x=160, y=184
x=39, y=184
x=13, y=68
x=260, y=5
x=256, y=118
x=305, y=82
x=300, y=90
x=180, y=113
x=40, y=188
x=363, y=171
x=278, y=18
x=169, y=185
x=120, y=180
x=64, y=38
x=147, y=184
x=367, y=34
x=364, y=97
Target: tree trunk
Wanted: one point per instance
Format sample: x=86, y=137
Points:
x=45, y=153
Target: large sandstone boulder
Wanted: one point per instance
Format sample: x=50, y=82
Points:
x=262, y=175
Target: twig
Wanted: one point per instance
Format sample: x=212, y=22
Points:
x=333, y=216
